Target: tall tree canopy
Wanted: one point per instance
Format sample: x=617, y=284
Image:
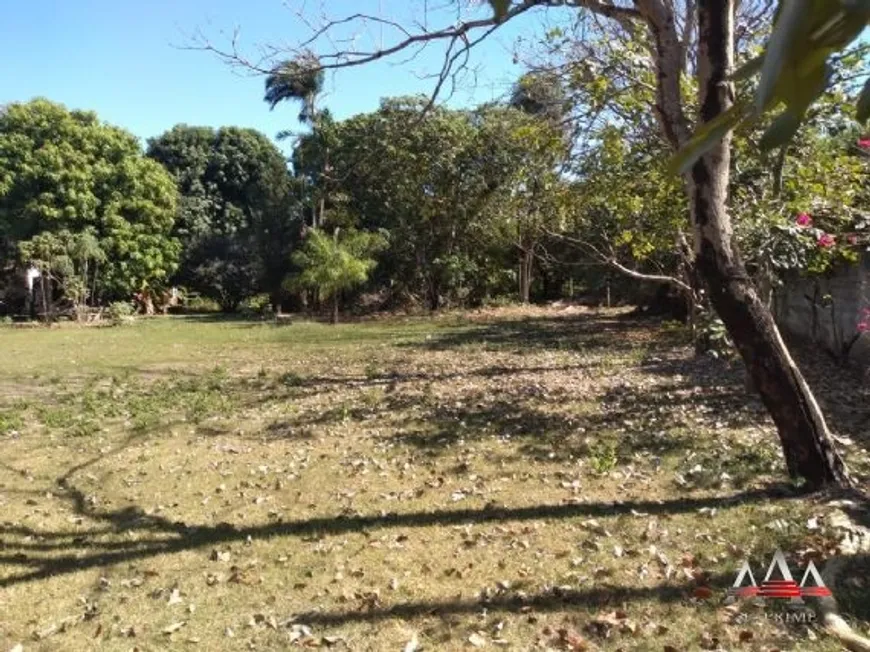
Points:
x=460, y=193
x=237, y=217
x=64, y=172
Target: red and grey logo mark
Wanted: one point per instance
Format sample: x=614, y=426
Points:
x=779, y=584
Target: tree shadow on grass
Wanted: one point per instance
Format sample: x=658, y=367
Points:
x=596, y=597
x=52, y=553
x=850, y=593
x=549, y=425
x=567, y=333
x=643, y=423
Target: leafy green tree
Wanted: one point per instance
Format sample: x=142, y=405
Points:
x=64, y=171
x=463, y=194
x=332, y=265
x=408, y=172
x=794, y=70
x=519, y=151
x=68, y=262
x=238, y=218
x=227, y=270
x=301, y=80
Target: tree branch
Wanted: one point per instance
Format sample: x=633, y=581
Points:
x=668, y=56
x=351, y=58
x=606, y=9
x=627, y=271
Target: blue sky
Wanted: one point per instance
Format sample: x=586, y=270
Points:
x=121, y=59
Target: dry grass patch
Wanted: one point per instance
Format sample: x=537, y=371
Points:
x=531, y=479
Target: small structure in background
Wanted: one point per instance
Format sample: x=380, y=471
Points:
x=32, y=274
x=30, y=303
x=148, y=301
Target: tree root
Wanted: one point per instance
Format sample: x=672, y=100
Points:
x=834, y=624
x=856, y=541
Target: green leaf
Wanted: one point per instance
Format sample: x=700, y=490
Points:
x=781, y=131
x=707, y=136
x=790, y=24
x=864, y=104
x=500, y=8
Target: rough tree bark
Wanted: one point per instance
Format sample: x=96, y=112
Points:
x=527, y=259
x=803, y=433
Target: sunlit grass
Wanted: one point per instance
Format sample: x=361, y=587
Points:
x=523, y=479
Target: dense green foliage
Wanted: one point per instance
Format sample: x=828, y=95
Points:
x=632, y=211
x=331, y=265
x=468, y=205
x=237, y=218
x=460, y=194
x=64, y=173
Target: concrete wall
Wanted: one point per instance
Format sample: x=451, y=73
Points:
x=827, y=310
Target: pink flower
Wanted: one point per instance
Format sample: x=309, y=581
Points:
x=826, y=240
x=804, y=220
x=863, y=326
x=864, y=143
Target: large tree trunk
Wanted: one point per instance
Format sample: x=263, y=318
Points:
x=335, y=299
x=806, y=441
x=276, y=298
x=46, y=307
x=526, y=261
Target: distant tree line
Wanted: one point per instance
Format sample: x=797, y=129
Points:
x=560, y=190
x=405, y=205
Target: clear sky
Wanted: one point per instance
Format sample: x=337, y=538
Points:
x=122, y=59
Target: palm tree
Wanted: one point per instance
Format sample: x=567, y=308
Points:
x=301, y=79
x=331, y=266
x=298, y=79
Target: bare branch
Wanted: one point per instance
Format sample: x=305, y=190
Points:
x=602, y=8
x=611, y=260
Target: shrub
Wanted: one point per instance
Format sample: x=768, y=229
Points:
x=258, y=306
x=199, y=303
x=121, y=312
x=10, y=422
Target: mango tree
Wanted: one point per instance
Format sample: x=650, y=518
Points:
x=64, y=174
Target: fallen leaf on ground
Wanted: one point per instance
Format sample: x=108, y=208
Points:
x=174, y=627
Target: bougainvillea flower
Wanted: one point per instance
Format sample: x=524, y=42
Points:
x=827, y=240
x=864, y=143
x=804, y=220
x=863, y=326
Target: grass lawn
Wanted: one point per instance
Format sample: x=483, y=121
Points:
x=517, y=479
